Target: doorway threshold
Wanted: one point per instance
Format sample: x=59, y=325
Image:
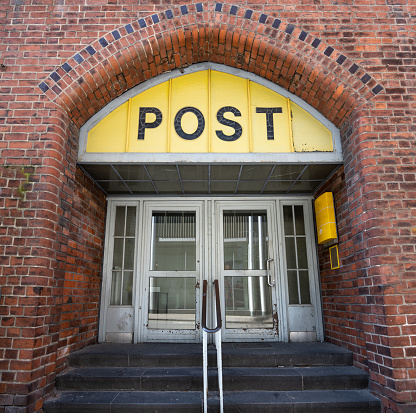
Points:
x=234, y=354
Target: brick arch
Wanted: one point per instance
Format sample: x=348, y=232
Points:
x=220, y=33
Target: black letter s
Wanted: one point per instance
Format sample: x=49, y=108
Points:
x=227, y=122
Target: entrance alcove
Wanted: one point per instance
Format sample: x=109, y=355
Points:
x=173, y=43
x=272, y=51
x=237, y=202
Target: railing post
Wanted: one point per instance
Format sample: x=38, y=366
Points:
x=205, y=367
x=219, y=367
x=217, y=332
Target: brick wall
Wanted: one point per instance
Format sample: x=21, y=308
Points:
x=369, y=302
x=51, y=226
x=62, y=61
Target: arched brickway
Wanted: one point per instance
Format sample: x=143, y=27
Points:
x=231, y=35
x=329, y=81
x=220, y=33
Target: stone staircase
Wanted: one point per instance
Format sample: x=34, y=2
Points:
x=258, y=377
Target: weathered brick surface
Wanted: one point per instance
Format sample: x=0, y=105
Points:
x=62, y=61
x=52, y=225
x=369, y=302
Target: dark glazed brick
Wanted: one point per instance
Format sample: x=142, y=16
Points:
x=155, y=18
x=142, y=23
x=43, y=87
x=66, y=67
x=184, y=9
x=276, y=23
x=316, y=43
x=103, y=42
x=90, y=50
x=290, y=28
x=129, y=28
x=328, y=51
x=353, y=68
x=233, y=10
x=248, y=14
x=377, y=89
x=263, y=18
x=366, y=78
x=116, y=34
x=303, y=35
x=199, y=7
x=341, y=59
x=218, y=7
x=55, y=76
x=169, y=14
x=78, y=58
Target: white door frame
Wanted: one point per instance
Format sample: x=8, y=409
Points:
x=124, y=325
x=208, y=227
x=313, y=310
x=171, y=334
x=249, y=204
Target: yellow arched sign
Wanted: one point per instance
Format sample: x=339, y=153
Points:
x=209, y=112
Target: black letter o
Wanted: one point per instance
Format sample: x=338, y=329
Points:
x=178, y=125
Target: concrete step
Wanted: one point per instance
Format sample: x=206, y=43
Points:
x=258, y=377
x=328, y=401
x=264, y=354
x=234, y=378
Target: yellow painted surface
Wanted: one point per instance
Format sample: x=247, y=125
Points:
x=190, y=91
x=262, y=97
x=325, y=218
x=109, y=135
x=229, y=90
x=309, y=135
x=209, y=92
x=156, y=138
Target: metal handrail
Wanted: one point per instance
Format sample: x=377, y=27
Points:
x=217, y=307
x=217, y=334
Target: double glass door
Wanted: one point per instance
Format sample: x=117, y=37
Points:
x=161, y=252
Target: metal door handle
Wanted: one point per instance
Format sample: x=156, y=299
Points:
x=270, y=280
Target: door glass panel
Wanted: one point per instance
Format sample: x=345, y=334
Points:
x=120, y=220
x=123, y=256
x=292, y=279
x=288, y=220
x=290, y=252
x=296, y=255
x=172, y=303
x=299, y=220
x=118, y=253
x=173, y=245
x=122, y=288
x=302, y=256
x=127, y=288
x=129, y=254
x=247, y=302
x=245, y=240
x=305, y=295
x=116, y=288
x=131, y=221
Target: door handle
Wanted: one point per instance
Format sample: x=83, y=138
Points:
x=270, y=279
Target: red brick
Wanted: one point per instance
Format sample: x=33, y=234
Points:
x=366, y=302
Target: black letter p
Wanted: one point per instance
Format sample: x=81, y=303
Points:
x=149, y=125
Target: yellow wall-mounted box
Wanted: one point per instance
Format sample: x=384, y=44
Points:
x=325, y=219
